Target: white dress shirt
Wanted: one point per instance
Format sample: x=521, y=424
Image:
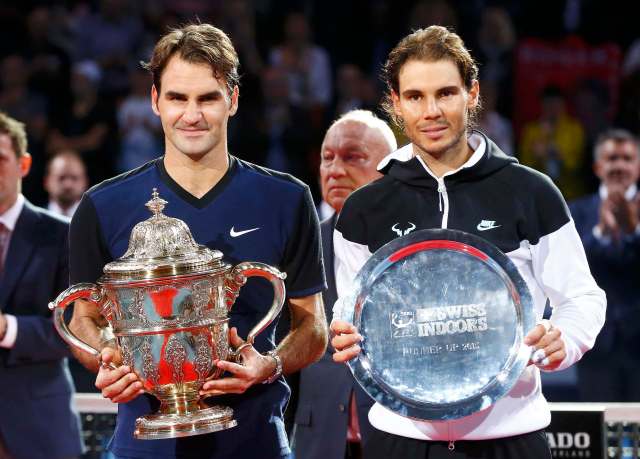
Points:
x=55, y=208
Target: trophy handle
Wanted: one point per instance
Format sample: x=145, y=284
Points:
x=83, y=291
x=237, y=278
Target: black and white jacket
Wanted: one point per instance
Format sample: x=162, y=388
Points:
x=517, y=209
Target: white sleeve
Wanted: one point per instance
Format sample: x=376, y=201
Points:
x=578, y=304
x=349, y=258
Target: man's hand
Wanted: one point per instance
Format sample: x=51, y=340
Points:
x=626, y=212
x=345, y=341
x=549, y=349
x=618, y=216
x=119, y=385
x=607, y=222
x=255, y=368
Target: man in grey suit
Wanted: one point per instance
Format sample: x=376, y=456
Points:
x=36, y=418
x=326, y=426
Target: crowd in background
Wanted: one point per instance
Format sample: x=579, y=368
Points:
x=71, y=71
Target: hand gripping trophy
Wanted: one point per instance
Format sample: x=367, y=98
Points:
x=167, y=300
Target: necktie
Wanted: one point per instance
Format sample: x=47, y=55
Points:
x=353, y=427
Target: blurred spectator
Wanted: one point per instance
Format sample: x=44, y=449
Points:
x=432, y=12
x=239, y=22
x=629, y=113
x=496, y=40
x=591, y=102
x=277, y=134
x=608, y=223
x=156, y=18
x=354, y=91
x=371, y=94
x=189, y=8
x=17, y=99
x=554, y=144
x=306, y=65
x=382, y=32
x=85, y=126
x=349, y=89
x=631, y=62
x=30, y=107
x=110, y=37
x=49, y=62
x=494, y=125
x=65, y=181
x=140, y=128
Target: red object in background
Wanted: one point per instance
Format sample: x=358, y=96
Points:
x=563, y=64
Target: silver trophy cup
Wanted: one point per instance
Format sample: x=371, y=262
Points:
x=167, y=302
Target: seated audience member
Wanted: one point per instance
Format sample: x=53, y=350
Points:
x=554, y=144
x=65, y=181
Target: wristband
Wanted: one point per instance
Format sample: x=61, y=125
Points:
x=278, y=371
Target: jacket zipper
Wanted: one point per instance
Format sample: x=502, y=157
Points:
x=443, y=197
x=443, y=200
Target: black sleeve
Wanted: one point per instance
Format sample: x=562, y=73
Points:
x=553, y=211
x=303, y=255
x=350, y=222
x=546, y=210
x=88, y=252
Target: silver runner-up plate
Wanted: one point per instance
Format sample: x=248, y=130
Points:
x=443, y=314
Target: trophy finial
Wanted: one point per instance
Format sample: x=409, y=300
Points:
x=156, y=204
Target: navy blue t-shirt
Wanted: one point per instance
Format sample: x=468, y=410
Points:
x=287, y=237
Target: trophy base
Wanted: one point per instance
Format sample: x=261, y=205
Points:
x=207, y=420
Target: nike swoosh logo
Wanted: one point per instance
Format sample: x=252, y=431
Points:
x=234, y=233
x=482, y=227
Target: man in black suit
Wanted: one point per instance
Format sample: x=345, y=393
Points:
x=325, y=424
x=36, y=419
x=609, y=225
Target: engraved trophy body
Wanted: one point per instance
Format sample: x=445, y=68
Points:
x=167, y=301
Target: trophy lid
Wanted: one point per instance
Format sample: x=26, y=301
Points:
x=162, y=247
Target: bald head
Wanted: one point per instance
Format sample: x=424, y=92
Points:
x=351, y=150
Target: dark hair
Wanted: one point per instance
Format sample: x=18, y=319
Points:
x=434, y=43
x=16, y=132
x=196, y=43
x=618, y=136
